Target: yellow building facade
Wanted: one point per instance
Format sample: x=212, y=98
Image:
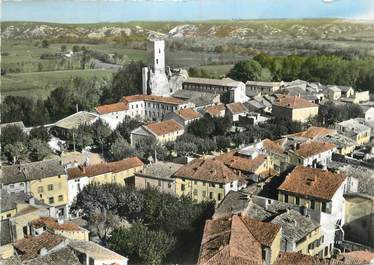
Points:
x=52, y=190
x=199, y=190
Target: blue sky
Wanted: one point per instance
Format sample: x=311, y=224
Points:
x=87, y=11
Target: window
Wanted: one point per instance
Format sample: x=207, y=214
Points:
x=183, y=187
x=195, y=192
x=210, y=195
x=60, y=198
x=323, y=206
x=195, y=182
x=285, y=198
x=204, y=193
x=40, y=189
x=169, y=185
x=50, y=187
x=221, y=186
x=297, y=200
x=22, y=184
x=312, y=204
x=51, y=200
x=8, y=215
x=219, y=196
x=159, y=183
x=11, y=186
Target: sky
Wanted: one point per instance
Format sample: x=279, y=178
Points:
x=92, y=11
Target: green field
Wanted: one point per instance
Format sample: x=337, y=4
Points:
x=217, y=70
x=40, y=84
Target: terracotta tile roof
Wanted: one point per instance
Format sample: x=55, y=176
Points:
x=52, y=223
x=208, y=81
x=272, y=146
x=188, y=114
x=99, y=169
x=295, y=258
x=357, y=257
x=30, y=247
x=211, y=170
x=312, y=148
x=234, y=161
x=125, y=164
x=27, y=210
x=312, y=182
x=164, y=127
x=237, y=108
x=115, y=107
x=215, y=110
x=293, y=102
x=235, y=240
x=150, y=98
x=314, y=132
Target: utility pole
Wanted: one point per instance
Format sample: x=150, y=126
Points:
x=73, y=141
x=76, y=107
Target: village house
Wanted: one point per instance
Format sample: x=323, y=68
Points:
x=89, y=252
x=346, y=91
x=359, y=221
x=60, y=227
x=157, y=175
x=162, y=132
x=344, y=145
x=263, y=87
x=322, y=192
x=355, y=130
x=120, y=172
x=239, y=240
x=32, y=247
x=236, y=110
x=294, y=108
x=299, y=233
x=216, y=111
x=314, y=132
x=46, y=180
x=333, y=93
x=249, y=162
x=229, y=89
x=207, y=179
x=199, y=99
x=368, y=112
x=184, y=116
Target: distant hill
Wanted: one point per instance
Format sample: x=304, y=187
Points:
x=319, y=29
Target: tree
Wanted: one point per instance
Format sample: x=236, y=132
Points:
x=11, y=134
x=45, y=44
x=38, y=149
x=142, y=244
x=15, y=152
x=40, y=133
x=121, y=149
x=101, y=131
x=127, y=81
x=126, y=126
x=203, y=127
x=185, y=148
x=81, y=137
x=223, y=142
x=60, y=103
x=76, y=48
x=63, y=48
x=246, y=70
x=15, y=108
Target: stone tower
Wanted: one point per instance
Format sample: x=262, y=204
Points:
x=155, y=79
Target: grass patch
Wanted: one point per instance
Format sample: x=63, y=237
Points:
x=40, y=84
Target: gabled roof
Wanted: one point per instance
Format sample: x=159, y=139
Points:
x=357, y=257
x=152, y=98
x=235, y=240
x=31, y=171
x=163, y=127
x=52, y=223
x=293, y=102
x=30, y=247
x=312, y=148
x=237, y=108
x=114, y=107
x=99, y=169
x=314, y=132
x=215, y=110
x=294, y=225
x=211, y=170
x=159, y=170
x=188, y=114
x=95, y=251
x=228, y=82
x=312, y=182
x=59, y=257
x=76, y=119
x=234, y=161
x=295, y=258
